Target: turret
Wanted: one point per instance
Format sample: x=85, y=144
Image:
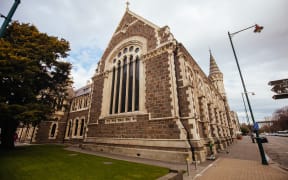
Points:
x=216, y=76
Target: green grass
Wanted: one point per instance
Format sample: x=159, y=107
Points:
x=43, y=162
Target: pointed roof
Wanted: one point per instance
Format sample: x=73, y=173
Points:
x=214, y=69
x=130, y=17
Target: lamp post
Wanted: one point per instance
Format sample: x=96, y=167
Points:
x=8, y=18
x=257, y=29
x=247, y=117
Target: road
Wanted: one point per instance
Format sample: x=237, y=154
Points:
x=277, y=150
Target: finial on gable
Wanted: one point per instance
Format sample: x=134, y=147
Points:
x=127, y=5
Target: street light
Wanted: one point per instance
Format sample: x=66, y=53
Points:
x=8, y=18
x=247, y=117
x=257, y=29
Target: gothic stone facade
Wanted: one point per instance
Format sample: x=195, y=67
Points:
x=149, y=99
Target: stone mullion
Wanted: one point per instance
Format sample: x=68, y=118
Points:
x=133, y=86
x=73, y=127
x=115, y=89
x=67, y=129
x=120, y=89
x=127, y=83
x=79, y=127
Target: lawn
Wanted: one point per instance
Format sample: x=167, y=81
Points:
x=53, y=162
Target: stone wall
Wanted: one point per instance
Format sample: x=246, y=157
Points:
x=43, y=132
x=158, y=100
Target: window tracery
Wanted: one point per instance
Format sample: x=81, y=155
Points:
x=125, y=81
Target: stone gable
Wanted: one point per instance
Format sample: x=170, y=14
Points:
x=130, y=26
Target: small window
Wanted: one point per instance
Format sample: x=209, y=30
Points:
x=125, y=50
x=119, y=54
x=131, y=48
x=53, y=130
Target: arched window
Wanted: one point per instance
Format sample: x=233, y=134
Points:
x=69, y=129
x=125, y=81
x=53, y=130
x=76, y=128
x=82, y=127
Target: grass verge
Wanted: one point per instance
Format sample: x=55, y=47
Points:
x=53, y=162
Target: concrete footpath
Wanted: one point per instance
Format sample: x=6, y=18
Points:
x=240, y=161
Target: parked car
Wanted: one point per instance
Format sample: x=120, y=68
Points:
x=262, y=138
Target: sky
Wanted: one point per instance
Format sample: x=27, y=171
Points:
x=199, y=25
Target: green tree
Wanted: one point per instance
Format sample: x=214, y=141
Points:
x=245, y=129
x=33, y=78
x=280, y=119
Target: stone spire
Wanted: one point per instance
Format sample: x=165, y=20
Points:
x=214, y=69
x=216, y=76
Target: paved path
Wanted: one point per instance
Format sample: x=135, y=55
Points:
x=229, y=169
x=243, y=162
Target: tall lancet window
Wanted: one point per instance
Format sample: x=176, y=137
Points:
x=112, y=91
x=117, y=87
x=137, y=84
x=125, y=81
x=124, y=77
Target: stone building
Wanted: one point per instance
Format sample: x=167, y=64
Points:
x=149, y=99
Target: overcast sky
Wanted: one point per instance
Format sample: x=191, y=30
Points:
x=89, y=24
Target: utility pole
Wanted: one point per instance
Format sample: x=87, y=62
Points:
x=8, y=18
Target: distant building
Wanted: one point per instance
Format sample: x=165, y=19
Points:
x=148, y=98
